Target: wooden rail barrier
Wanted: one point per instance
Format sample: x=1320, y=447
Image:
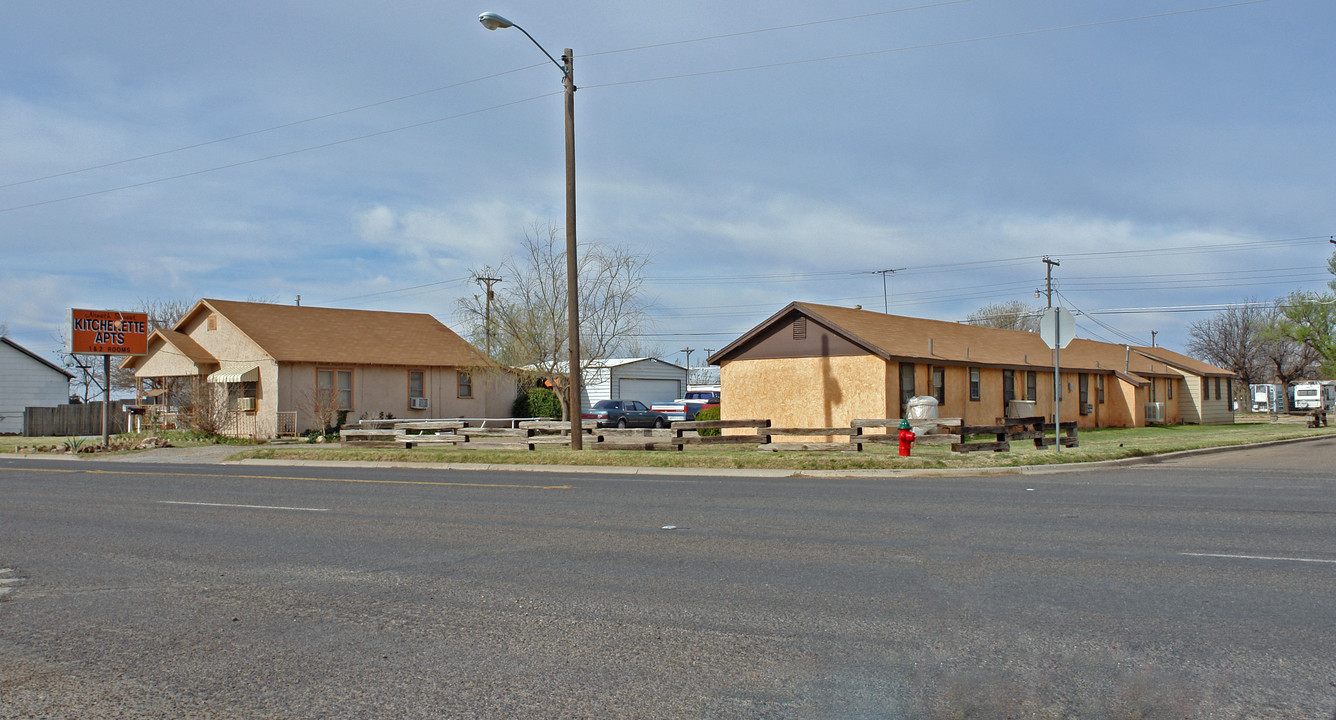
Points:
x=528, y=434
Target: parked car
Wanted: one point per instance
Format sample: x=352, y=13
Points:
x=624, y=413
x=685, y=408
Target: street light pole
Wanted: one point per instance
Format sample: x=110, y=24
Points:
x=492, y=21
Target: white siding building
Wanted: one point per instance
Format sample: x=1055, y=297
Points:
x=645, y=379
x=27, y=380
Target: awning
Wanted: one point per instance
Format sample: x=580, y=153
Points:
x=236, y=374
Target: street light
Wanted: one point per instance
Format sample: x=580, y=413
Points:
x=492, y=21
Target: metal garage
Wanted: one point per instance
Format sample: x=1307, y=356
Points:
x=648, y=380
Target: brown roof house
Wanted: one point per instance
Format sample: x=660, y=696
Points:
x=262, y=370
x=822, y=366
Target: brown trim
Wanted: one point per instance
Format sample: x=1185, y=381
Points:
x=352, y=385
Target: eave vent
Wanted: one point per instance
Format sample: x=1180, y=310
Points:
x=800, y=329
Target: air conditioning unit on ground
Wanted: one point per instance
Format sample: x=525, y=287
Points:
x=245, y=404
x=1155, y=413
x=419, y=403
x=1021, y=409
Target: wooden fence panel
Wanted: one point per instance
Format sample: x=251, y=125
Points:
x=68, y=420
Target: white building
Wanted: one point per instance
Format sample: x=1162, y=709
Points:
x=648, y=380
x=28, y=380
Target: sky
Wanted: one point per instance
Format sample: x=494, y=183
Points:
x=1174, y=156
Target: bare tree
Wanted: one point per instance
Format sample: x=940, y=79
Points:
x=324, y=407
x=210, y=407
x=1310, y=319
x=528, y=314
x=1009, y=315
x=1288, y=358
x=1232, y=339
x=162, y=315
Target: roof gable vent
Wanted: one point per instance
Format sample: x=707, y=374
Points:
x=800, y=329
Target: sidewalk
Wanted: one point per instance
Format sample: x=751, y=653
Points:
x=218, y=454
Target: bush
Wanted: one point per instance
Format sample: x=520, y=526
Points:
x=537, y=402
x=708, y=414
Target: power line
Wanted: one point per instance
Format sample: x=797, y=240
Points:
x=927, y=46
x=421, y=93
x=228, y=166
x=275, y=156
x=252, y=133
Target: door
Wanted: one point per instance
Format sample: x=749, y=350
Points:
x=906, y=386
x=650, y=391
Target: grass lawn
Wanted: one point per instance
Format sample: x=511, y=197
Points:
x=1095, y=445
x=178, y=438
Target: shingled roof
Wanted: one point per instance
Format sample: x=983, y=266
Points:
x=896, y=337
x=291, y=333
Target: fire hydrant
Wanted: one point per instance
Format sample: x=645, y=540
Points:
x=907, y=438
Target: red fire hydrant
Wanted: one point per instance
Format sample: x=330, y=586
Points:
x=906, y=438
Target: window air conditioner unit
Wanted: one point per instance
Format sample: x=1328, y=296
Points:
x=1155, y=413
x=419, y=403
x=246, y=404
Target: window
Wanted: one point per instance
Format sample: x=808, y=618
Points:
x=1099, y=389
x=416, y=388
x=1083, y=386
x=1008, y=387
x=465, y=384
x=1152, y=397
x=906, y=386
x=974, y=383
x=939, y=384
x=1205, y=389
x=1229, y=382
x=1032, y=386
x=1169, y=388
x=338, y=384
x=1217, y=388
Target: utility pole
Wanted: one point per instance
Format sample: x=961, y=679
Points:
x=1049, y=282
x=487, y=317
x=885, y=303
x=688, y=351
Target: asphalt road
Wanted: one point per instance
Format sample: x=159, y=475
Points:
x=1201, y=587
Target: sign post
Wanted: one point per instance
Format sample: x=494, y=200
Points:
x=1057, y=327
x=107, y=333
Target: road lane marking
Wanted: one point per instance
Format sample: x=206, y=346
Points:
x=308, y=479
x=231, y=505
x=1258, y=557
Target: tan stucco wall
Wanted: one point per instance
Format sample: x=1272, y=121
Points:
x=829, y=392
x=384, y=389
x=291, y=387
x=807, y=392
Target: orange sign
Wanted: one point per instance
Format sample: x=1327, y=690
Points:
x=108, y=332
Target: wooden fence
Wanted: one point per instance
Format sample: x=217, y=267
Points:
x=72, y=420
x=956, y=433
x=528, y=434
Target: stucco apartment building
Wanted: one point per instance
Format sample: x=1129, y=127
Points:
x=281, y=366
x=822, y=366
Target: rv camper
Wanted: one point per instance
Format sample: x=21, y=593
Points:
x=1267, y=398
x=1315, y=395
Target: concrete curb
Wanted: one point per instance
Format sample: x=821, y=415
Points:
x=1045, y=469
